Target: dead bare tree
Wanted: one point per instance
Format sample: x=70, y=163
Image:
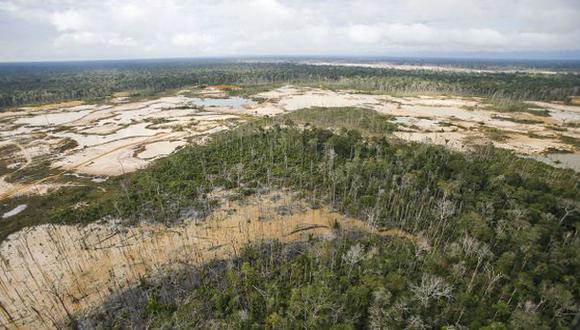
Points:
x=431, y=288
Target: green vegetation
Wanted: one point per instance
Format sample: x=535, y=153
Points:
x=535, y=135
x=249, y=90
x=50, y=82
x=37, y=170
x=502, y=248
x=501, y=232
x=570, y=140
x=495, y=134
x=522, y=121
x=509, y=105
x=5, y=162
x=369, y=122
x=556, y=128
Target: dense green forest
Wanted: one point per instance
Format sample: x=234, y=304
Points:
x=502, y=232
x=50, y=82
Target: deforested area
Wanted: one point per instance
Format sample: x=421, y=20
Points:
x=290, y=206
x=492, y=243
x=286, y=164
x=483, y=238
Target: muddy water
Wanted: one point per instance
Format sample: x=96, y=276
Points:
x=49, y=271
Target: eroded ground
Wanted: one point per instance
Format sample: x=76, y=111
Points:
x=122, y=136
x=103, y=140
x=50, y=271
x=455, y=122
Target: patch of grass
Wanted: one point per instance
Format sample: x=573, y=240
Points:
x=573, y=141
x=556, y=128
x=59, y=129
x=520, y=120
x=7, y=157
x=35, y=171
x=469, y=107
x=515, y=106
x=535, y=135
x=157, y=121
x=249, y=90
x=66, y=144
x=59, y=207
x=495, y=134
x=369, y=122
x=572, y=124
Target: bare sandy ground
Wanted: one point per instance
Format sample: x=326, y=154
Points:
x=51, y=271
x=162, y=148
x=106, y=140
x=118, y=138
x=452, y=121
x=414, y=67
x=20, y=189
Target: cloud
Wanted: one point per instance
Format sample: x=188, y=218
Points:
x=127, y=12
x=167, y=28
x=268, y=9
x=8, y=7
x=68, y=20
x=366, y=34
x=84, y=38
x=191, y=39
x=423, y=36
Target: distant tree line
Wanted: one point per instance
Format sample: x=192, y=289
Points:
x=51, y=82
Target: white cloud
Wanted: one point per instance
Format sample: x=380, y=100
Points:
x=469, y=39
x=191, y=39
x=81, y=38
x=366, y=34
x=68, y=20
x=8, y=7
x=165, y=28
x=84, y=38
x=406, y=34
x=127, y=12
x=268, y=9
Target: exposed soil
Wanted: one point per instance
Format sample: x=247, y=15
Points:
x=50, y=271
x=451, y=121
x=121, y=138
x=104, y=140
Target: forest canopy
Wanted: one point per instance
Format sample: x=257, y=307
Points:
x=501, y=230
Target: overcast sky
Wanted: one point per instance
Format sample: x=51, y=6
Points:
x=111, y=29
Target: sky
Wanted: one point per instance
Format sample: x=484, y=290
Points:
x=32, y=30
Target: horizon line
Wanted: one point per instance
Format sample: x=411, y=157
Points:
x=299, y=56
